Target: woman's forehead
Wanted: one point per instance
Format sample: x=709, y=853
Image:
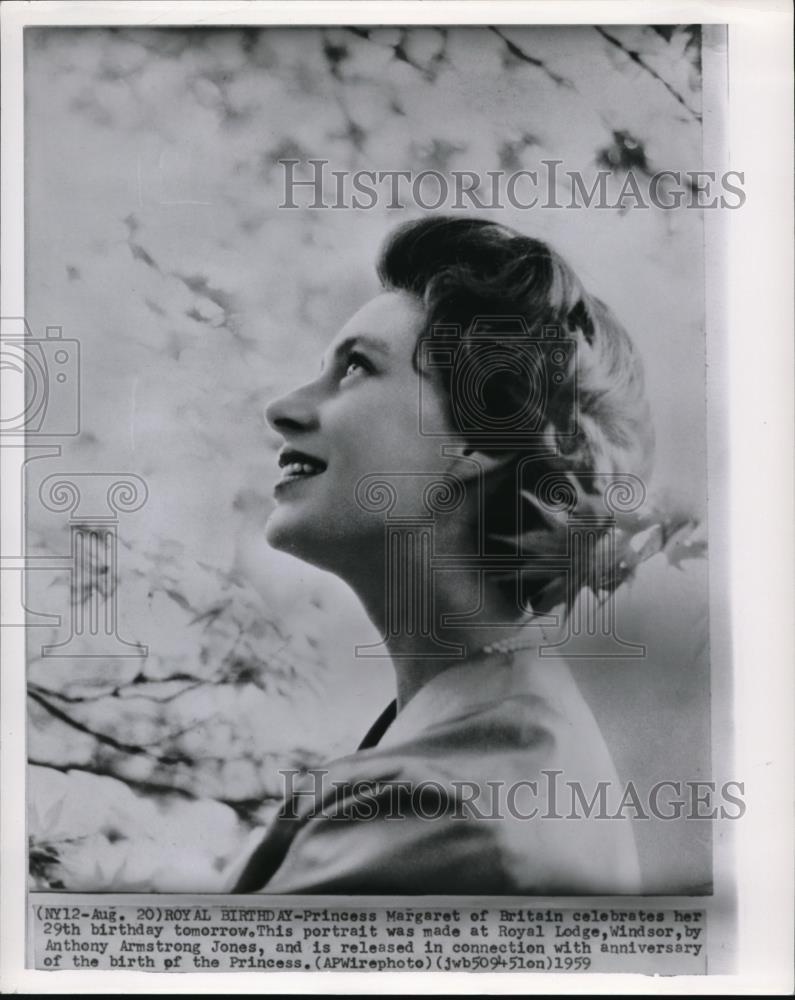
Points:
x=390, y=322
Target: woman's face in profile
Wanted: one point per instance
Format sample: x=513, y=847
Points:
x=358, y=417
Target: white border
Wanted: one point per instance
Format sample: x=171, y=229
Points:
x=759, y=314
x=760, y=304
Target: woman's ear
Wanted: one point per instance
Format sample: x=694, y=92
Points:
x=469, y=462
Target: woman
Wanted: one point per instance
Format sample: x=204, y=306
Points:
x=424, y=466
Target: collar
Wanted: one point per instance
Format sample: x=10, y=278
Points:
x=379, y=727
x=462, y=687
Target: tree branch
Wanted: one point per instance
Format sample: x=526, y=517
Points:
x=519, y=53
x=145, y=787
x=639, y=60
x=128, y=748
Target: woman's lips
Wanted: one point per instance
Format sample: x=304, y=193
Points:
x=297, y=466
x=299, y=470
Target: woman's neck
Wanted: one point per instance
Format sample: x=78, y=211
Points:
x=439, y=630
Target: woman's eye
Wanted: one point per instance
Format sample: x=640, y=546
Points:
x=356, y=364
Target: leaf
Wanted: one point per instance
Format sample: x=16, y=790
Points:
x=646, y=542
x=681, y=551
x=211, y=614
x=178, y=599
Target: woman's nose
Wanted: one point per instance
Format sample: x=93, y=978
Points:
x=295, y=411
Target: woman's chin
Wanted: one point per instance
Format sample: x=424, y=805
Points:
x=288, y=533
x=281, y=530
x=329, y=543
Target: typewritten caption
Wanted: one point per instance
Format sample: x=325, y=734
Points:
x=228, y=937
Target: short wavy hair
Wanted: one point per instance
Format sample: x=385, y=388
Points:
x=476, y=277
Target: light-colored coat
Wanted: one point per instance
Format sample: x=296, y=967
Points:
x=444, y=802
